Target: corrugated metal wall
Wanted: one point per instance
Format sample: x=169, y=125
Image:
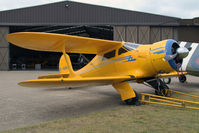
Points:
x=74, y=13
x=4, y=49
x=144, y=34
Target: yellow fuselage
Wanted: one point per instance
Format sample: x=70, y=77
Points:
x=144, y=61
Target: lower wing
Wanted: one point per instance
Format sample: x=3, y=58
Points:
x=62, y=80
x=172, y=74
x=73, y=82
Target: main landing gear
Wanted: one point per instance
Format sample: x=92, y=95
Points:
x=160, y=87
x=128, y=95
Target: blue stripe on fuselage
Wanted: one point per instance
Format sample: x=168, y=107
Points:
x=156, y=48
x=159, y=52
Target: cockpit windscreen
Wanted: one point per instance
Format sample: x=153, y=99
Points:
x=130, y=46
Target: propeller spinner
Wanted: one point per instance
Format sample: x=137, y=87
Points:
x=180, y=53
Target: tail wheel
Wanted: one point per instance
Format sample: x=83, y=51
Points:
x=133, y=101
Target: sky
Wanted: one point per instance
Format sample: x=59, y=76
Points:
x=176, y=8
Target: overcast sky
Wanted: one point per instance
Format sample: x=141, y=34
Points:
x=175, y=8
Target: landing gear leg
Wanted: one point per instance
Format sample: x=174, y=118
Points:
x=128, y=95
x=160, y=87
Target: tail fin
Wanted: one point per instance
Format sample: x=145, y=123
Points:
x=63, y=68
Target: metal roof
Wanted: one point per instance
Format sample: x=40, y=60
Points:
x=75, y=13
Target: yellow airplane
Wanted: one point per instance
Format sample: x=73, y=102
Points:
x=115, y=63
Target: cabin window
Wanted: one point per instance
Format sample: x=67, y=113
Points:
x=121, y=51
x=109, y=54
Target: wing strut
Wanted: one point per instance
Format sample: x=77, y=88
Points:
x=68, y=62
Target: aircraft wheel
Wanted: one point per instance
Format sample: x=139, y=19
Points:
x=182, y=78
x=166, y=80
x=133, y=101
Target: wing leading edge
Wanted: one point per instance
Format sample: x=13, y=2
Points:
x=172, y=74
x=73, y=82
x=60, y=81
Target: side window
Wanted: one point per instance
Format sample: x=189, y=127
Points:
x=121, y=51
x=109, y=54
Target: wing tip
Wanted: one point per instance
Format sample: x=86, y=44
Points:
x=22, y=84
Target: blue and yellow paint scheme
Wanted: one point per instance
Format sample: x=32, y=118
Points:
x=115, y=62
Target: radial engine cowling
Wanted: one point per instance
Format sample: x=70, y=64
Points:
x=175, y=54
x=167, y=55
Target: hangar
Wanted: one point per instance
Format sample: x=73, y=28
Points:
x=74, y=18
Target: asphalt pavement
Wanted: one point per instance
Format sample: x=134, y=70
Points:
x=22, y=106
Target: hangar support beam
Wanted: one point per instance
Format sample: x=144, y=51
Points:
x=4, y=49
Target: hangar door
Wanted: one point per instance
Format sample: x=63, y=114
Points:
x=144, y=34
x=135, y=34
x=4, y=49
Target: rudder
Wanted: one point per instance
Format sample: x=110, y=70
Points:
x=63, y=68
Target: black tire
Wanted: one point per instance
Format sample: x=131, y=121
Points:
x=166, y=80
x=163, y=89
x=182, y=78
x=133, y=101
x=157, y=92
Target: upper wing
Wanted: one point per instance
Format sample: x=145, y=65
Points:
x=73, y=82
x=55, y=42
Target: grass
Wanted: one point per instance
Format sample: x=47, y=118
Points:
x=126, y=119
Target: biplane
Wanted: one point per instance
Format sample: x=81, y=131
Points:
x=116, y=63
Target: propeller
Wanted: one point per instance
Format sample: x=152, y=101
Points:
x=180, y=53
